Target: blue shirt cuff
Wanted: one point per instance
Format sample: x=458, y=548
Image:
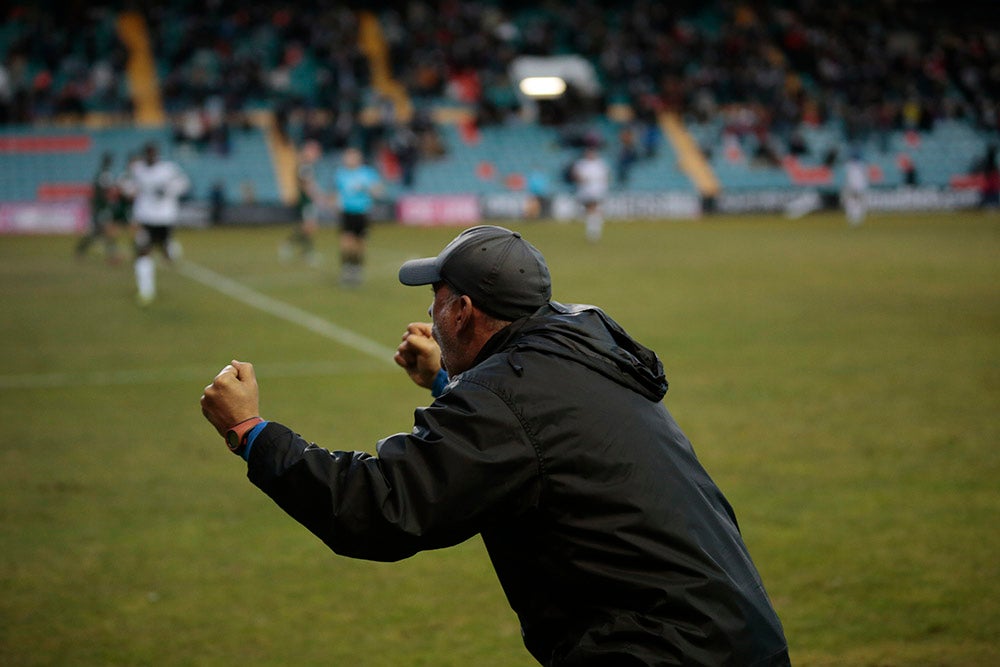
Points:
x=251, y=436
x=440, y=382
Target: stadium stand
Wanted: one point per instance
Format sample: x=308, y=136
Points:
x=734, y=96
x=34, y=163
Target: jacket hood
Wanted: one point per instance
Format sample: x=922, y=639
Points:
x=587, y=335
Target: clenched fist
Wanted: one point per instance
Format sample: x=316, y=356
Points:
x=419, y=354
x=232, y=397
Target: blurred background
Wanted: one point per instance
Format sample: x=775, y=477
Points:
x=698, y=107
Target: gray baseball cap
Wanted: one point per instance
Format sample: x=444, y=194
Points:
x=502, y=273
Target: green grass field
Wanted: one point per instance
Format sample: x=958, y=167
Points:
x=841, y=385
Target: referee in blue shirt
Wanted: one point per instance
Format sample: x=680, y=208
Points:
x=357, y=186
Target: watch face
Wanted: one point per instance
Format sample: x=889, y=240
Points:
x=236, y=436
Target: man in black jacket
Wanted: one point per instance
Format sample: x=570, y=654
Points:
x=547, y=437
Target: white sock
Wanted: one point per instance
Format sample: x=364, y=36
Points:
x=855, y=212
x=145, y=276
x=594, y=224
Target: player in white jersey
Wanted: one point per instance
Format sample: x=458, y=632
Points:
x=855, y=194
x=156, y=187
x=591, y=175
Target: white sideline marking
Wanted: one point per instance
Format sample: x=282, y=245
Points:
x=156, y=376
x=285, y=311
x=247, y=296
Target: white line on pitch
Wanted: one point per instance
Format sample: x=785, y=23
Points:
x=285, y=311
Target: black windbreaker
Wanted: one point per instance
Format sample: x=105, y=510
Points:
x=611, y=542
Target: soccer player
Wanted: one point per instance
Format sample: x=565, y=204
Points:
x=104, y=199
x=306, y=206
x=855, y=194
x=156, y=187
x=357, y=186
x=591, y=175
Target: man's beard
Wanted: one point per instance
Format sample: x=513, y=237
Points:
x=445, y=343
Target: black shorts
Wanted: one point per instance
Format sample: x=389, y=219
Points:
x=152, y=235
x=354, y=223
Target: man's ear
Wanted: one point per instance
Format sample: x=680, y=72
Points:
x=465, y=315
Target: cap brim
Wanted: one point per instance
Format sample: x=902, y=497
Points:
x=420, y=272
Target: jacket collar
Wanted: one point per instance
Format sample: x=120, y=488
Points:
x=500, y=339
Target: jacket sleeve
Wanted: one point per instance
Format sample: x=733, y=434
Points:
x=467, y=463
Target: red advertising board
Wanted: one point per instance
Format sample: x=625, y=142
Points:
x=77, y=143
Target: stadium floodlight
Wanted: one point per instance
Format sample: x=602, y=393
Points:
x=542, y=86
x=543, y=83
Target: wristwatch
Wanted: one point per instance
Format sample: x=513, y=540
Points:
x=236, y=436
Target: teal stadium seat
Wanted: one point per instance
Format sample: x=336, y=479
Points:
x=25, y=172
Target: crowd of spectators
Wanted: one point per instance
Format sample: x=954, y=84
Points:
x=60, y=59
x=762, y=68
x=259, y=54
x=223, y=59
